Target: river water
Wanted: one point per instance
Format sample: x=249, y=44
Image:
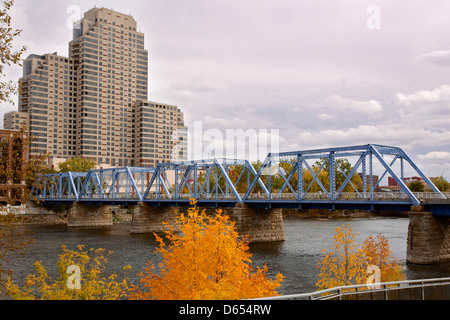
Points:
x=296, y=258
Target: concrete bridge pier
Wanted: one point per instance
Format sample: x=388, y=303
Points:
x=82, y=215
x=428, y=238
x=149, y=219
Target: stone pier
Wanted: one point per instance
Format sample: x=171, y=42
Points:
x=82, y=215
x=428, y=238
x=260, y=225
x=149, y=219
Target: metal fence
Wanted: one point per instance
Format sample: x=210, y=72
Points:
x=426, y=289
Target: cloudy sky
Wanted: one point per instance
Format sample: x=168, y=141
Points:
x=323, y=73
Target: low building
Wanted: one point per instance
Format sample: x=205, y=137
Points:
x=14, y=154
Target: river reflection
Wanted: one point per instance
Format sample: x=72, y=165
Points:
x=296, y=258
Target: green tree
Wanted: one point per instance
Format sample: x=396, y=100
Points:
x=77, y=165
x=442, y=184
x=416, y=186
x=340, y=176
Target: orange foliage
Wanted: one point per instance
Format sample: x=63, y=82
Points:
x=207, y=260
x=348, y=263
x=378, y=253
x=345, y=265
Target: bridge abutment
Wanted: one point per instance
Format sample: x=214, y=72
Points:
x=82, y=215
x=428, y=238
x=149, y=219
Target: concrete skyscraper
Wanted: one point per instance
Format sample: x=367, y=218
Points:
x=93, y=103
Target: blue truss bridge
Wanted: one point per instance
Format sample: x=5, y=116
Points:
x=300, y=179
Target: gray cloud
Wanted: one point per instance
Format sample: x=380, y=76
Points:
x=309, y=68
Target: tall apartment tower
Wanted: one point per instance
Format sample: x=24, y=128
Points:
x=93, y=104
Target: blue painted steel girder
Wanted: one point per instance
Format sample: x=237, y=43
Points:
x=288, y=162
x=234, y=180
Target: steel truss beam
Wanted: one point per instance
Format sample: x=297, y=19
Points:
x=212, y=180
x=291, y=166
x=281, y=176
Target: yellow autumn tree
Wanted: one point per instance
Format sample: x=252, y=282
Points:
x=343, y=266
x=93, y=285
x=348, y=263
x=207, y=260
x=377, y=251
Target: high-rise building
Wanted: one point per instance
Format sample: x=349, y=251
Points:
x=93, y=104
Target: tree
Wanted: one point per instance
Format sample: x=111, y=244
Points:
x=416, y=186
x=207, y=260
x=345, y=265
x=377, y=251
x=18, y=175
x=348, y=263
x=77, y=165
x=93, y=284
x=8, y=56
x=440, y=183
x=340, y=176
x=12, y=239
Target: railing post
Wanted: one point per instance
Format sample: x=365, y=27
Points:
x=423, y=292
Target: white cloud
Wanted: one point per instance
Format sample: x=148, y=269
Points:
x=436, y=162
x=337, y=103
x=325, y=116
x=439, y=94
x=435, y=156
x=224, y=123
x=405, y=137
x=250, y=69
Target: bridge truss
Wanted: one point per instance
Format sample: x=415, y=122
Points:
x=320, y=178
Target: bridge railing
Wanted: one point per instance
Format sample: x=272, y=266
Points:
x=377, y=196
x=431, y=195
x=438, y=288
